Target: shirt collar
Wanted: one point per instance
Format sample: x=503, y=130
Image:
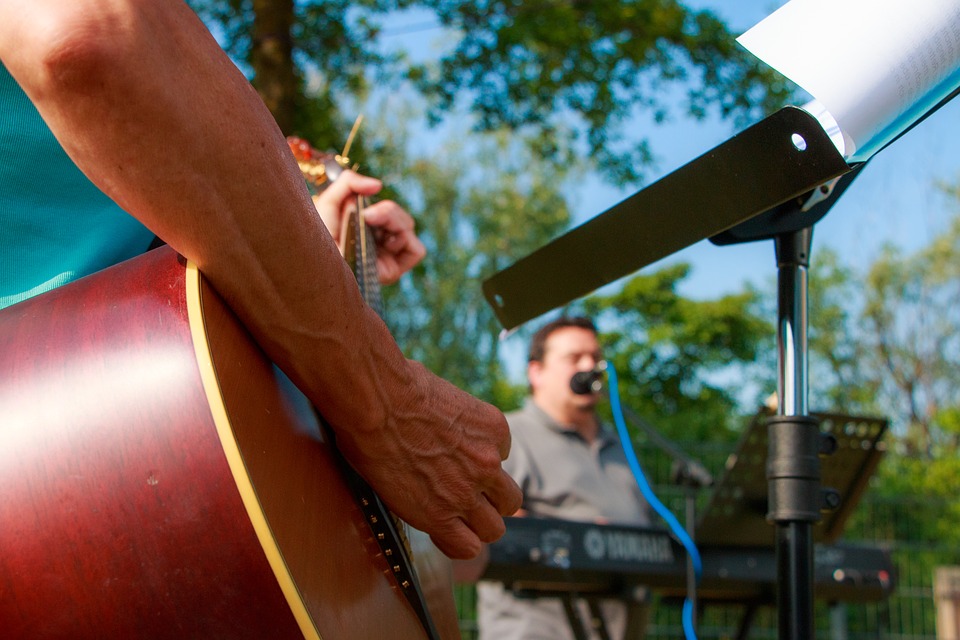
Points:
x=605, y=435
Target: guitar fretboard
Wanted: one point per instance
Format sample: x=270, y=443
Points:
x=364, y=259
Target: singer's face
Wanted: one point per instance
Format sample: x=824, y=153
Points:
x=567, y=351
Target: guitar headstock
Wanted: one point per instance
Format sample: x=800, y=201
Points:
x=318, y=168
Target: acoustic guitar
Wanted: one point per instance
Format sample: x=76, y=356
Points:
x=161, y=478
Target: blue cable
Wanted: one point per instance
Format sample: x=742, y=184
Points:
x=671, y=520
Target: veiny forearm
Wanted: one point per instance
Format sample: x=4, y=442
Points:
x=146, y=103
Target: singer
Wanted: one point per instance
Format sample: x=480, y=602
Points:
x=570, y=466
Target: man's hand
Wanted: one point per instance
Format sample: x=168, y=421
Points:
x=436, y=460
x=398, y=248
x=436, y=463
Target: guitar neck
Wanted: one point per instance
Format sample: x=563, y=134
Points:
x=362, y=256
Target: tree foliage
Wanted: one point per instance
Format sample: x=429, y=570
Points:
x=888, y=343
x=533, y=65
x=685, y=364
x=479, y=205
x=838, y=378
x=303, y=57
x=911, y=316
x=888, y=340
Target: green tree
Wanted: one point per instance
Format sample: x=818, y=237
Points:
x=685, y=364
x=838, y=379
x=914, y=338
x=480, y=204
x=533, y=66
x=887, y=342
x=304, y=58
x=533, y=63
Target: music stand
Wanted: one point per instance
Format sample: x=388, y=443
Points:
x=781, y=162
x=734, y=514
x=778, y=160
x=795, y=442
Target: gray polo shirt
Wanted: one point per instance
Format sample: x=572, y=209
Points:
x=563, y=476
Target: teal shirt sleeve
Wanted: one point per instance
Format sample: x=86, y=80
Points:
x=55, y=225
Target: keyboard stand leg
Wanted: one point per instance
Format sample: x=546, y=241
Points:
x=573, y=616
x=598, y=622
x=747, y=621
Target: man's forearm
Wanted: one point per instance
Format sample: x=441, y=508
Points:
x=147, y=104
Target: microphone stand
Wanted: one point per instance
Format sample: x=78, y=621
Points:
x=686, y=472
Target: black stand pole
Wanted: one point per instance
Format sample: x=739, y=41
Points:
x=573, y=617
x=793, y=465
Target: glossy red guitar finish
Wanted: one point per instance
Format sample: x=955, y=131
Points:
x=121, y=514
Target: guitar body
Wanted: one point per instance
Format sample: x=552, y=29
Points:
x=161, y=479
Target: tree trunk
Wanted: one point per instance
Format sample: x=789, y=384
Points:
x=271, y=57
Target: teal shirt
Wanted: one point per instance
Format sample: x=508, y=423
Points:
x=55, y=225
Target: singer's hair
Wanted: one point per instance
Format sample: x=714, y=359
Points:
x=539, y=340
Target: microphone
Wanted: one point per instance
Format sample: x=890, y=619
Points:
x=586, y=382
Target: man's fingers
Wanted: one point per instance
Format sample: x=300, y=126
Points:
x=457, y=541
x=398, y=247
x=390, y=217
x=486, y=522
x=350, y=183
x=407, y=250
x=505, y=496
x=339, y=196
x=463, y=538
